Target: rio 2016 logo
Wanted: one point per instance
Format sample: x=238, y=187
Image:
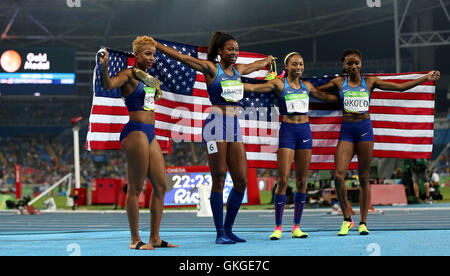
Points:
x=373, y=3
x=73, y=3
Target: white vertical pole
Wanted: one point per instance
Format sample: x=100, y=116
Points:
x=76, y=154
x=397, y=38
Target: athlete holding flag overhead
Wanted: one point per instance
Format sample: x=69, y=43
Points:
x=144, y=156
x=356, y=134
x=221, y=130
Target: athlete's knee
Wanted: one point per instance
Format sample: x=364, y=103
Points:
x=300, y=182
x=134, y=189
x=160, y=189
x=339, y=175
x=240, y=184
x=219, y=176
x=218, y=179
x=364, y=180
x=282, y=183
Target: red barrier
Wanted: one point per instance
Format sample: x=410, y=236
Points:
x=252, y=188
x=386, y=194
x=121, y=194
x=81, y=194
x=18, y=169
x=103, y=191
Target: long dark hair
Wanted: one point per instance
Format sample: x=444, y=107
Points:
x=217, y=42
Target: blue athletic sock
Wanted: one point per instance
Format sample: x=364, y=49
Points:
x=216, y=200
x=233, y=204
x=279, y=202
x=299, y=204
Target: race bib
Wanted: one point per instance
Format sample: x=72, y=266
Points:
x=356, y=101
x=212, y=147
x=149, y=98
x=232, y=90
x=297, y=103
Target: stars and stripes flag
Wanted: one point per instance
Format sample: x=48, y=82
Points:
x=403, y=122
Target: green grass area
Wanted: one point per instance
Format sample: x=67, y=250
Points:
x=265, y=198
x=61, y=204
x=446, y=194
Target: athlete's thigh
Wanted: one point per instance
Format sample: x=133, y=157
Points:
x=343, y=156
x=217, y=163
x=156, y=165
x=364, y=151
x=285, y=158
x=302, y=162
x=136, y=148
x=217, y=160
x=237, y=161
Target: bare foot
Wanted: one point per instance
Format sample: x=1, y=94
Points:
x=162, y=243
x=141, y=246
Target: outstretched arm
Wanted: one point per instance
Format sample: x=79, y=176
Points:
x=267, y=87
x=332, y=86
x=385, y=85
x=319, y=94
x=245, y=69
x=110, y=83
x=204, y=66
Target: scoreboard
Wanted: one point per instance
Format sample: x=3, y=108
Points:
x=183, y=182
x=37, y=70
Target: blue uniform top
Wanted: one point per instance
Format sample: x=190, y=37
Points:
x=355, y=100
x=142, y=98
x=294, y=101
x=226, y=89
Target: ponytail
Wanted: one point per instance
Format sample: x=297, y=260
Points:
x=217, y=42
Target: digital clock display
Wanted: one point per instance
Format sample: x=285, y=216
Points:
x=182, y=188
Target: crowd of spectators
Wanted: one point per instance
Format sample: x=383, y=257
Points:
x=42, y=111
x=45, y=160
x=443, y=164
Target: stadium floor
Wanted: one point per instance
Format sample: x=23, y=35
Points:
x=412, y=230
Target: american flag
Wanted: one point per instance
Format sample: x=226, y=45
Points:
x=403, y=121
x=109, y=113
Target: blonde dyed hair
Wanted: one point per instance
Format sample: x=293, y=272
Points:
x=142, y=41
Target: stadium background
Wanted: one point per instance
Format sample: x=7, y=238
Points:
x=35, y=127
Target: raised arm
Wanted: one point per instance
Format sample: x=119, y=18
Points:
x=110, y=83
x=245, y=69
x=204, y=66
x=385, y=85
x=319, y=94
